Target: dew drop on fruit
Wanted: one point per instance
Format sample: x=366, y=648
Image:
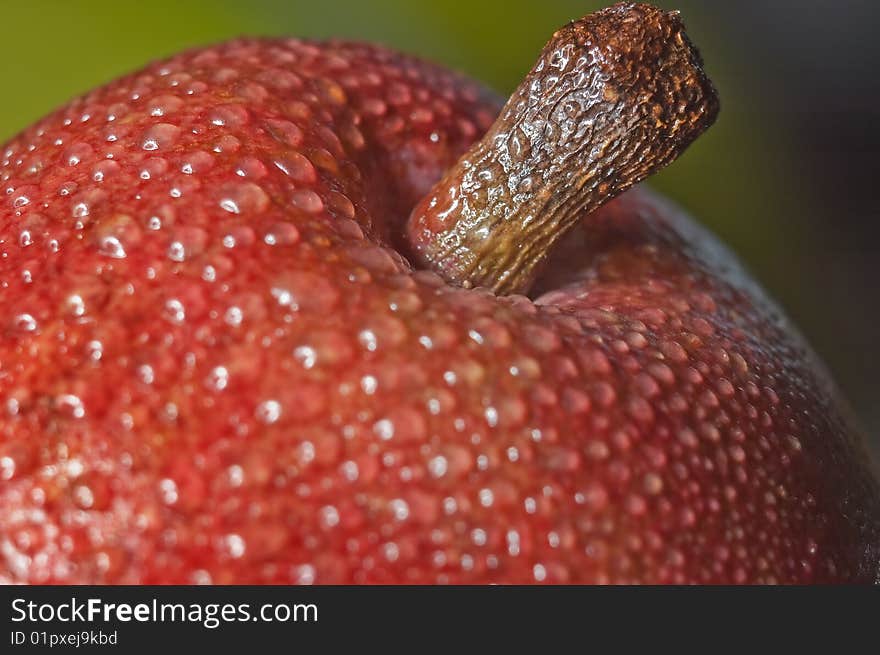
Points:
x=24, y=323
x=268, y=411
x=234, y=545
x=399, y=508
x=197, y=162
x=70, y=405
x=218, y=378
x=20, y=201
x=297, y=167
x=7, y=467
x=438, y=466
x=367, y=339
x=95, y=350
x=374, y=258
x=233, y=316
x=329, y=516
x=227, y=144
x=350, y=470
x=83, y=496
x=164, y=105
x=340, y=206
x=229, y=115
x=176, y=251
x=391, y=551
x=80, y=209
x=110, y=246
x=174, y=311
x=252, y=168
x=104, y=169
x=244, y=198
x=239, y=236
x=303, y=574
x=145, y=373
x=77, y=153
x=369, y=384
x=307, y=201
x=160, y=137
x=168, y=491
x=282, y=234
x=284, y=132
x=235, y=476
x=187, y=242
x=306, y=356
x=384, y=429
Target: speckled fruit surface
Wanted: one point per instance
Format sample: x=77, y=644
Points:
x=215, y=366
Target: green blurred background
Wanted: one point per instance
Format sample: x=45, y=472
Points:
x=783, y=177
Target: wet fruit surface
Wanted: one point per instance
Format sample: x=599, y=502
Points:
x=216, y=367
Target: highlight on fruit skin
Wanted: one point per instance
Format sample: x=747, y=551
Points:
x=241, y=344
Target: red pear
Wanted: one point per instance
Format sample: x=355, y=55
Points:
x=280, y=311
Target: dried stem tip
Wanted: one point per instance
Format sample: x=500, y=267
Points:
x=613, y=98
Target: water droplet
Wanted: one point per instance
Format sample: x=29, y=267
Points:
x=282, y=234
x=145, y=373
x=400, y=509
x=83, y=496
x=95, y=350
x=71, y=404
x=305, y=291
x=540, y=572
x=24, y=323
x=298, y=168
x=229, y=115
x=369, y=384
x=174, y=311
x=7, y=467
x=218, y=379
x=168, y=491
x=244, y=198
x=368, y=340
x=164, y=105
x=160, y=136
x=307, y=200
x=304, y=574
x=285, y=132
x=110, y=246
x=329, y=516
x=235, y=545
x=268, y=411
x=384, y=429
x=438, y=466
x=176, y=251
x=305, y=355
x=233, y=316
x=188, y=242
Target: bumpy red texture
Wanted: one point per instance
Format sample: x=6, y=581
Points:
x=216, y=367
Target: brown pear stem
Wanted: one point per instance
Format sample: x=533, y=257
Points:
x=613, y=98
